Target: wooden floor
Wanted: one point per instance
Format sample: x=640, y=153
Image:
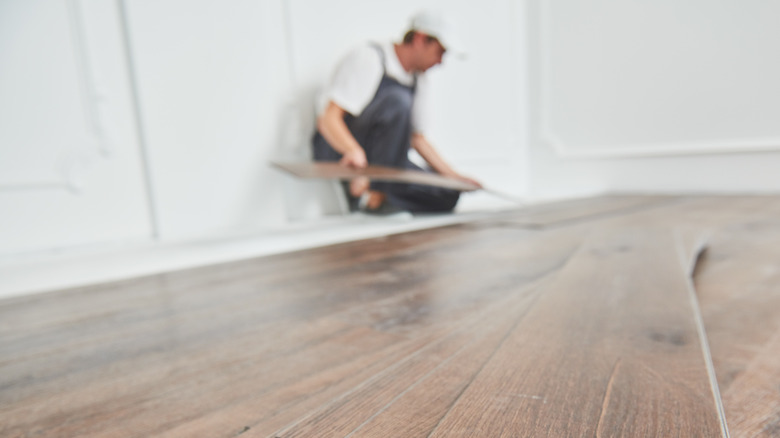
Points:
x=632, y=316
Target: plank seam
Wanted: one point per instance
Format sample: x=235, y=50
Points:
x=489, y=358
x=698, y=320
x=435, y=339
x=607, y=395
x=409, y=388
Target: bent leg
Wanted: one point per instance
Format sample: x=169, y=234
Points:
x=417, y=198
x=384, y=130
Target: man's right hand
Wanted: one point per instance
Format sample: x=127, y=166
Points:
x=332, y=126
x=355, y=158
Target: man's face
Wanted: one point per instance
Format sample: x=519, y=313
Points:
x=429, y=51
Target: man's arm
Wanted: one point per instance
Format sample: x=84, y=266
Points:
x=432, y=157
x=332, y=126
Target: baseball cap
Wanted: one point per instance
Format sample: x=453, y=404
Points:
x=441, y=27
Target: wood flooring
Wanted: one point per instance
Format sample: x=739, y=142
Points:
x=617, y=316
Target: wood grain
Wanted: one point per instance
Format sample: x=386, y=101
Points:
x=609, y=349
x=753, y=399
x=569, y=319
x=411, y=398
x=738, y=284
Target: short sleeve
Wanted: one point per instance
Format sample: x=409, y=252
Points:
x=356, y=80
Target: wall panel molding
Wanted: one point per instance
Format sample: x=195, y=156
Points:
x=567, y=149
x=68, y=170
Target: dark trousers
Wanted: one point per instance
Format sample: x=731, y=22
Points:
x=384, y=129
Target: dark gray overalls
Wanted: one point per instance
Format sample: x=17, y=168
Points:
x=384, y=129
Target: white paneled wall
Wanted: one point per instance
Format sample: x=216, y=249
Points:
x=154, y=121
x=70, y=166
x=211, y=82
x=654, y=96
x=141, y=120
x=652, y=78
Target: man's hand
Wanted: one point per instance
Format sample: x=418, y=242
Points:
x=355, y=158
x=432, y=157
x=470, y=181
x=332, y=126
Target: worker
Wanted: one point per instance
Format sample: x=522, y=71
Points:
x=375, y=108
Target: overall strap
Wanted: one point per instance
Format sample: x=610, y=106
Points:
x=381, y=52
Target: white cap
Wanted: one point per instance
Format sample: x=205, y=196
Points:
x=440, y=27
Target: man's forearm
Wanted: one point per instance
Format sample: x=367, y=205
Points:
x=431, y=156
x=332, y=126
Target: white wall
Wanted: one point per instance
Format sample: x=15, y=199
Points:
x=212, y=79
x=654, y=96
x=70, y=166
x=142, y=120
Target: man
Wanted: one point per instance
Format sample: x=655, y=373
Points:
x=374, y=110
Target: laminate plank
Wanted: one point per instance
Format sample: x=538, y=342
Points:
x=709, y=214
x=287, y=403
x=752, y=401
x=454, y=286
x=417, y=411
x=737, y=284
x=328, y=170
x=611, y=348
x=425, y=384
x=143, y=396
x=570, y=212
x=738, y=287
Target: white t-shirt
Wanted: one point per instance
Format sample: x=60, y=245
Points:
x=357, y=77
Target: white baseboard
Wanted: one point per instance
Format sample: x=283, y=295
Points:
x=39, y=273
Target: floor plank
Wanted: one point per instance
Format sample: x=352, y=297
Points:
x=617, y=326
x=576, y=211
x=738, y=284
x=411, y=398
x=753, y=400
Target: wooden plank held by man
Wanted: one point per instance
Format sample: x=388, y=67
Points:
x=336, y=171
